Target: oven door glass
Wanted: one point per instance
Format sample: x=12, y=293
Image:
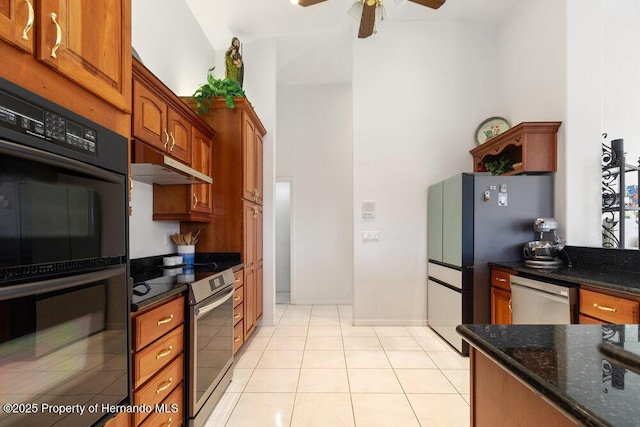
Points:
x=55, y=210
x=212, y=337
x=63, y=345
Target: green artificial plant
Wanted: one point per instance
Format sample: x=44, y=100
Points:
x=216, y=87
x=499, y=166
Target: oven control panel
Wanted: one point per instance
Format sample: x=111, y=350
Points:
x=26, y=117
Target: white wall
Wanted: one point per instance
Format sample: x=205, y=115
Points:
x=419, y=92
x=314, y=147
x=171, y=44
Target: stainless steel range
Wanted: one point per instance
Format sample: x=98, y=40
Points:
x=210, y=345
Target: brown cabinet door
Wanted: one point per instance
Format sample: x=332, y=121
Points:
x=149, y=121
x=250, y=216
x=201, y=161
x=259, y=293
x=179, y=137
x=258, y=168
x=89, y=42
x=500, y=307
x=249, y=301
x=249, y=160
x=16, y=23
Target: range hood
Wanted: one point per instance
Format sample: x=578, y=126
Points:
x=167, y=171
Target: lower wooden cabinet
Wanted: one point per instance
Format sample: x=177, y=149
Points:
x=501, y=296
x=500, y=307
x=600, y=307
x=238, y=311
x=158, y=364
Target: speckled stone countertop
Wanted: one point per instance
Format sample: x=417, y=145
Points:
x=563, y=364
x=617, y=270
x=152, y=283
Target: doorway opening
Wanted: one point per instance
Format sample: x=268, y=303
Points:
x=284, y=241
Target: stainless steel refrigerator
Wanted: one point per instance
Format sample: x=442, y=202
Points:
x=474, y=219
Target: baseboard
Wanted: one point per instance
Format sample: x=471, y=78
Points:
x=316, y=302
x=388, y=322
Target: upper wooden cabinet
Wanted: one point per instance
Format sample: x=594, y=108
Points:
x=162, y=124
x=90, y=43
x=529, y=147
x=16, y=23
x=155, y=123
x=74, y=53
x=252, y=161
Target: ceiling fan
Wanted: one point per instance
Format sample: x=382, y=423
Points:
x=368, y=18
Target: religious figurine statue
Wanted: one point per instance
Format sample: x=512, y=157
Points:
x=233, y=60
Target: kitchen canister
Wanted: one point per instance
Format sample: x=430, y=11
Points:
x=188, y=253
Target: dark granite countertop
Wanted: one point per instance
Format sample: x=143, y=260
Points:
x=153, y=283
x=594, y=275
x=563, y=364
x=614, y=269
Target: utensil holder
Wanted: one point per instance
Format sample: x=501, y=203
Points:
x=188, y=253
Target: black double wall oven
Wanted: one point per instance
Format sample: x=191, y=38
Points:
x=64, y=306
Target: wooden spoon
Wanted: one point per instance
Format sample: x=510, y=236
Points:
x=187, y=238
x=195, y=237
x=175, y=238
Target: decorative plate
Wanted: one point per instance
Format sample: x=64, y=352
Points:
x=491, y=127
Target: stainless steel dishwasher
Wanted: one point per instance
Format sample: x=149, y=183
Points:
x=534, y=302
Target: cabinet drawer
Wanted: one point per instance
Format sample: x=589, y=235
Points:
x=238, y=296
x=238, y=336
x=159, y=387
x=173, y=410
x=239, y=278
x=153, y=324
x=157, y=355
x=238, y=313
x=500, y=279
x=608, y=308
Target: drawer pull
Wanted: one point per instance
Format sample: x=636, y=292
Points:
x=600, y=307
x=501, y=279
x=237, y=316
x=237, y=339
x=164, y=386
x=236, y=281
x=236, y=299
x=510, y=309
x=168, y=423
x=164, y=353
x=165, y=320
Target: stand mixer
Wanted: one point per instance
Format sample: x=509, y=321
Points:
x=543, y=253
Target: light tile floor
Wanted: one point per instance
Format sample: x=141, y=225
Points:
x=315, y=369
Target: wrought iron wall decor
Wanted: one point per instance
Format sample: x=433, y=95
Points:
x=615, y=198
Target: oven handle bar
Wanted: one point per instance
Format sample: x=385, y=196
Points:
x=29, y=153
x=44, y=286
x=207, y=308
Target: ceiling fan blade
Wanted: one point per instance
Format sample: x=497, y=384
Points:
x=306, y=3
x=433, y=4
x=368, y=20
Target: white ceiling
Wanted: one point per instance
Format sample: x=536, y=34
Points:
x=307, y=35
